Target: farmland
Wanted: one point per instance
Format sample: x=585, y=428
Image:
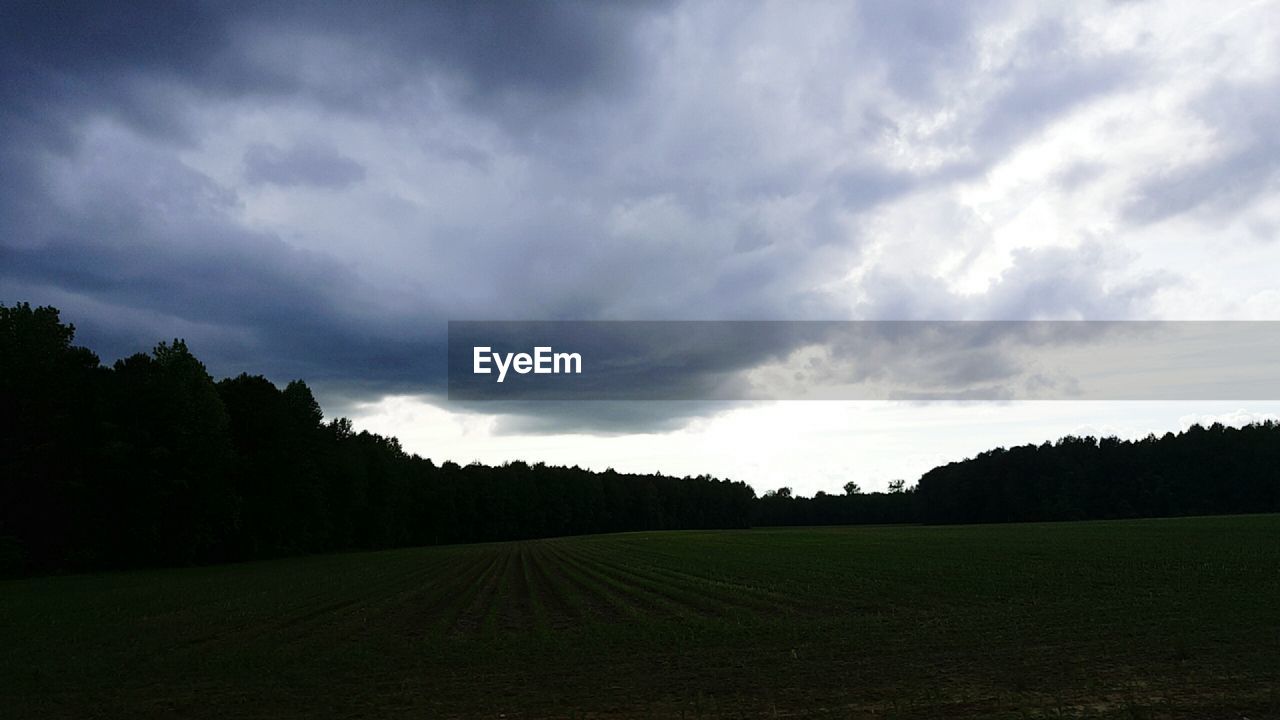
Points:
x=1145, y=618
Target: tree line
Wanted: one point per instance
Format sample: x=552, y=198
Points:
x=854, y=507
x=152, y=462
x=1215, y=470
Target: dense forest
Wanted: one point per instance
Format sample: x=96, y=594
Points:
x=1212, y=470
x=152, y=462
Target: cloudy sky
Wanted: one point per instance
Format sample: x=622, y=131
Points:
x=313, y=190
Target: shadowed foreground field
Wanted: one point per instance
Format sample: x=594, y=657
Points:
x=1150, y=618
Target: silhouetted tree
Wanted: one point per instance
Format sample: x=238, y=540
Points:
x=49, y=436
x=150, y=462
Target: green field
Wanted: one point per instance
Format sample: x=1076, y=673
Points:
x=1151, y=618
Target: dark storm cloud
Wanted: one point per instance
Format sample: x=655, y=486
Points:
x=64, y=63
x=247, y=304
x=60, y=59
x=315, y=165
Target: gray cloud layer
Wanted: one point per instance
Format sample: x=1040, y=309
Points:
x=312, y=190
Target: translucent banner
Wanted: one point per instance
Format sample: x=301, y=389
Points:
x=864, y=360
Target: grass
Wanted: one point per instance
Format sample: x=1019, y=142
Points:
x=1131, y=619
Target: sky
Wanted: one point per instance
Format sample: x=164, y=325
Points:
x=313, y=191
